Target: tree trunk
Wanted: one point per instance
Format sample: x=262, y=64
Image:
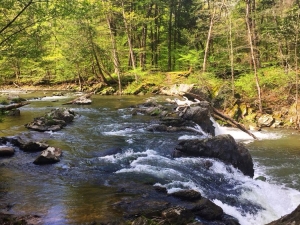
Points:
x=231, y=54
x=115, y=55
x=170, y=36
x=143, y=47
x=128, y=32
x=208, y=40
x=296, y=69
x=253, y=55
x=102, y=77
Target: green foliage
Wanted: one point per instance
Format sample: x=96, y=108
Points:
x=4, y=102
x=145, y=83
x=67, y=41
x=271, y=79
x=18, y=100
x=245, y=84
x=210, y=81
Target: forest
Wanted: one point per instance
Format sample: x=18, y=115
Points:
x=249, y=47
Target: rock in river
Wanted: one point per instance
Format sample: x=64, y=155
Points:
x=222, y=147
x=48, y=156
x=52, y=121
x=6, y=151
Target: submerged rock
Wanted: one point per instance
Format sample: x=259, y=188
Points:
x=182, y=207
x=222, y=147
x=7, y=219
x=48, y=156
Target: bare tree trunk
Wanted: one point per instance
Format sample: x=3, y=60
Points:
x=296, y=70
x=253, y=55
x=79, y=80
x=170, y=36
x=143, y=47
x=114, y=53
x=208, y=40
x=231, y=54
x=128, y=31
x=102, y=77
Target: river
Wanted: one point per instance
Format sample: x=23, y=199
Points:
x=82, y=187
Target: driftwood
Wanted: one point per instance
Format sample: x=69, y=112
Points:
x=218, y=115
x=13, y=106
x=86, y=96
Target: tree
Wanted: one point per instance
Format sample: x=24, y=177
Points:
x=253, y=58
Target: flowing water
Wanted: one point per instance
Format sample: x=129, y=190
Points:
x=82, y=187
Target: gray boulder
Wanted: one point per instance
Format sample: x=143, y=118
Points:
x=222, y=147
x=201, y=116
x=265, y=120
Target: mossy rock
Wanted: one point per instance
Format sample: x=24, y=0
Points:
x=108, y=91
x=235, y=112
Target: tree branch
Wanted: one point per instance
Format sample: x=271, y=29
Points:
x=16, y=17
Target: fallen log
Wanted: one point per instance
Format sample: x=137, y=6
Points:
x=13, y=106
x=218, y=115
x=80, y=100
x=231, y=121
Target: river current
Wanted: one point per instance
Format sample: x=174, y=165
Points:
x=81, y=188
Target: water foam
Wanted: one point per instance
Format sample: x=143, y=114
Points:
x=265, y=202
x=237, y=134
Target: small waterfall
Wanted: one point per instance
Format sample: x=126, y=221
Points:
x=218, y=128
x=199, y=129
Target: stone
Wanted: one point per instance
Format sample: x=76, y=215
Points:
x=201, y=116
x=291, y=219
x=262, y=178
x=265, y=120
x=48, y=156
x=187, y=195
x=141, y=221
x=6, y=151
x=177, y=215
x=54, y=120
x=208, y=210
x=14, y=112
x=33, y=146
x=222, y=147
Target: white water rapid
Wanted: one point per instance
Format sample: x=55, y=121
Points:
x=252, y=202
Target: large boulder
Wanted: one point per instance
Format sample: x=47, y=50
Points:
x=55, y=120
x=222, y=147
x=201, y=116
x=185, y=118
x=265, y=120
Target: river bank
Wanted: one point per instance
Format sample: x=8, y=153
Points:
x=242, y=109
